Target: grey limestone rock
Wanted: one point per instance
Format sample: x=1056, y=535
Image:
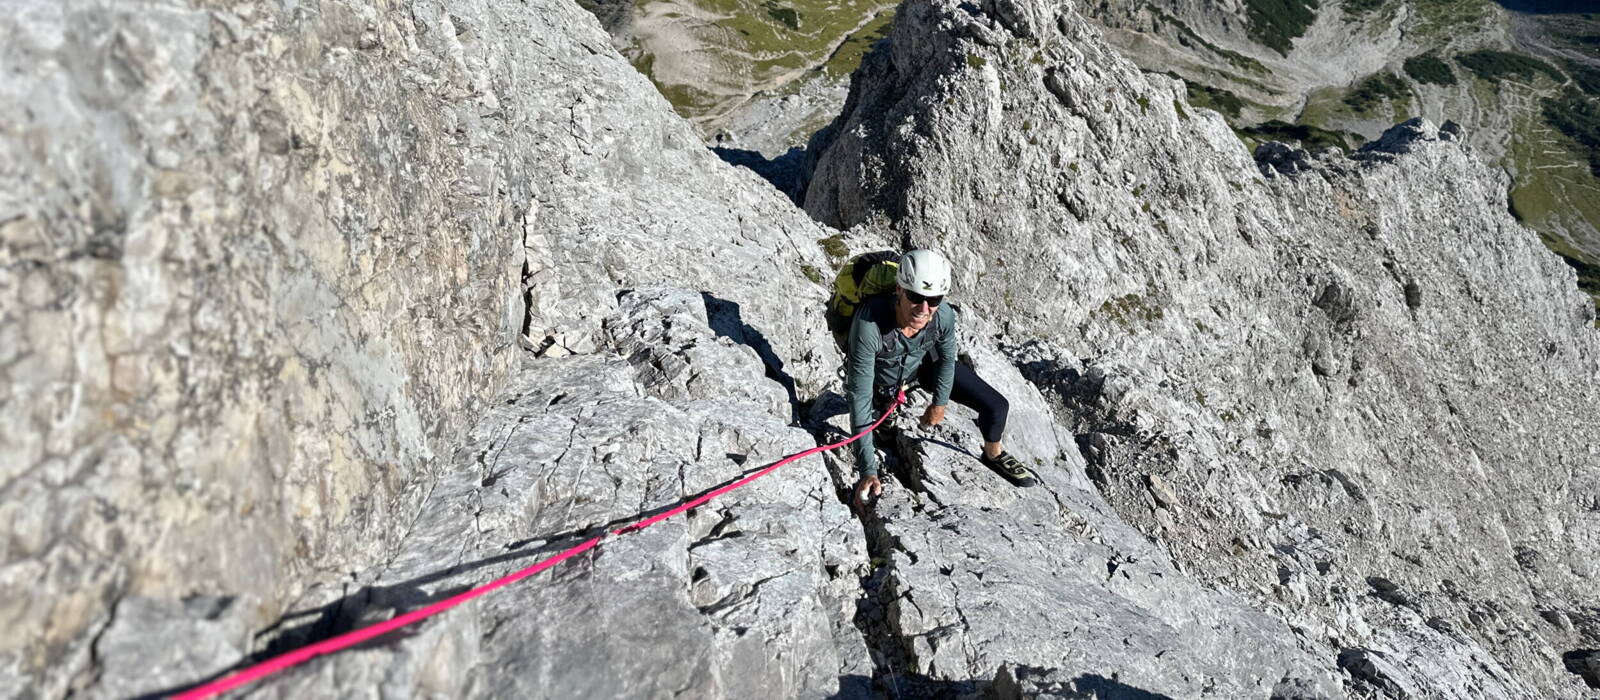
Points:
x=1313, y=361
x=738, y=597
x=1278, y=158
x=260, y=265
x=1400, y=138
x=154, y=644
x=347, y=306
x=255, y=277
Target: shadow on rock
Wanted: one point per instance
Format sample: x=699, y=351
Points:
x=726, y=321
x=1005, y=686
x=1585, y=663
x=370, y=605
x=785, y=172
x=941, y=443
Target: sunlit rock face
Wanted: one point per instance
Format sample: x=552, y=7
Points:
x=256, y=278
x=316, y=313
x=1346, y=425
x=264, y=263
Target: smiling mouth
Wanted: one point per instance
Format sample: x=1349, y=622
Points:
x=922, y=316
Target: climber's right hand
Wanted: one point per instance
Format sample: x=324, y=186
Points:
x=866, y=490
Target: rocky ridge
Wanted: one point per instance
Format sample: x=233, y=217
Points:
x=1244, y=381
x=1351, y=74
x=1272, y=365
x=1217, y=44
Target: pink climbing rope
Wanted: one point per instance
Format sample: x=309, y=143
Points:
x=354, y=637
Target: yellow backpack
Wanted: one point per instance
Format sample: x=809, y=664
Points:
x=862, y=276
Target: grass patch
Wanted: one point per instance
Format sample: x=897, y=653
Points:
x=1355, y=9
x=1209, y=97
x=835, y=247
x=1553, y=193
x=1430, y=69
x=1443, y=18
x=748, y=46
x=1494, y=66
x=849, y=54
x=1586, y=77
x=1577, y=116
x=974, y=61
x=1277, y=23
x=1322, y=106
x=1129, y=309
x=1551, y=179
x=811, y=273
x=1374, y=90
x=1310, y=137
x=786, y=16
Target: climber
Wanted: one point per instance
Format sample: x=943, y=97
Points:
x=890, y=336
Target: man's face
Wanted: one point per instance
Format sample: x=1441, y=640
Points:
x=915, y=311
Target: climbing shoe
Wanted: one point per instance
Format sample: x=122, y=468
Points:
x=1007, y=466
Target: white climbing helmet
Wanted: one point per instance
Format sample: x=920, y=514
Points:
x=925, y=272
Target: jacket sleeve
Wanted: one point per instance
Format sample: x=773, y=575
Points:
x=947, y=359
x=859, y=365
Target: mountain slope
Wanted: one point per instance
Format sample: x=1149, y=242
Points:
x=1304, y=426
x=1305, y=352
x=1521, y=85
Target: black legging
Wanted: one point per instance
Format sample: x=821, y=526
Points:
x=969, y=390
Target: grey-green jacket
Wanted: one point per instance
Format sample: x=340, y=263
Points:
x=881, y=359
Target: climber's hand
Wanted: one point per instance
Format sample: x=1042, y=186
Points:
x=866, y=490
x=933, y=416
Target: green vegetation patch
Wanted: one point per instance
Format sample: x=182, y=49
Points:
x=1374, y=90
x=1586, y=77
x=787, y=16
x=1310, y=137
x=1212, y=98
x=1355, y=9
x=811, y=273
x=764, y=45
x=1577, y=116
x=1439, y=22
x=1553, y=193
x=1494, y=66
x=835, y=247
x=1129, y=309
x=1430, y=69
x=848, y=56
x=1277, y=23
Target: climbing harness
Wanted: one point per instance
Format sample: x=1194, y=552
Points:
x=351, y=638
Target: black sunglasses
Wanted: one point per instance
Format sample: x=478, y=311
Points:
x=916, y=298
